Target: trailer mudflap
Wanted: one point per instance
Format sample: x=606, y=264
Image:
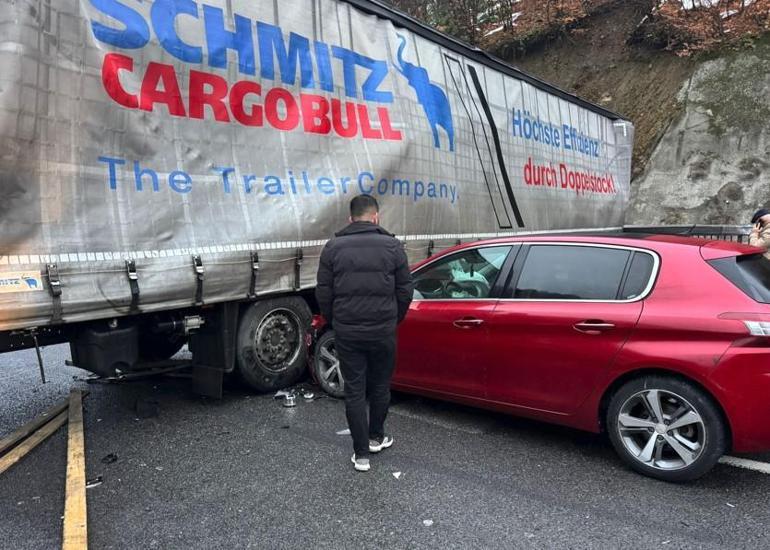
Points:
x=213, y=349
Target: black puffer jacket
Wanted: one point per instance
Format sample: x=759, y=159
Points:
x=364, y=284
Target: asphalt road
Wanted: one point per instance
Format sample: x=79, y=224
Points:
x=244, y=472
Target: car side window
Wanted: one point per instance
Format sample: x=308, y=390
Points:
x=469, y=274
x=560, y=272
x=638, y=277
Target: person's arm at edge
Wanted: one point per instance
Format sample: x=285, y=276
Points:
x=324, y=290
x=404, y=284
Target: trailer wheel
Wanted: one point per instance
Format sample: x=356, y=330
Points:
x=272, y=343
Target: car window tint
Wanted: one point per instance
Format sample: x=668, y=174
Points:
x=571, y=273
x=750, y=273
x=638, y=276
x=469, y=274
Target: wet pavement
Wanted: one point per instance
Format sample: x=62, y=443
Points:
x=245, y=472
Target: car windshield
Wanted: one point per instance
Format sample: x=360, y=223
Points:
x=750, y=273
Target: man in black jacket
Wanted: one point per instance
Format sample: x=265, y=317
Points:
x=364, y=291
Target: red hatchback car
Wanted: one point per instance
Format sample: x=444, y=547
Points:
x=661, y=341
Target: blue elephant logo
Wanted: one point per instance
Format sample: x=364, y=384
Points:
x=432, y=98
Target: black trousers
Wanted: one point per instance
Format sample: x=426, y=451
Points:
x=367, y=368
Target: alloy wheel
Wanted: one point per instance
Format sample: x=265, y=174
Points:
x=329, y=366
x=661, y=429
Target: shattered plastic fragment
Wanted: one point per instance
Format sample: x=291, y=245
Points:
x=95, y=482
x=427, y=522
x=397, y=475
x=290, y=401
x=346, y=431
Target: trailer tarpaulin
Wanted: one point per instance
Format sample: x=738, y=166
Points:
x=164, y=147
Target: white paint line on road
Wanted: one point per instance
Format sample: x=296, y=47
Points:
x=745, y=463
x=447, y=425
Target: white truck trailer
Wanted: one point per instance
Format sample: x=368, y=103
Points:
x=170, y=169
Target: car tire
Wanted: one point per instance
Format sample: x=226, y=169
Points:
x=272, y=343
x=684, y=446
x=326, y=366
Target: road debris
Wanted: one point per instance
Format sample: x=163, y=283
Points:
x=290, y=401
x=18, y=444
x=731, y=505
x=427, y=522
x=95, y=482
x=110, y=459
x=346, y=431
x=397, y=475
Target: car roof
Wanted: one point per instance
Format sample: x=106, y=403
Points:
x=652, y=241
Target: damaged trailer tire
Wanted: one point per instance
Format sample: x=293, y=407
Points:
x=272, y=343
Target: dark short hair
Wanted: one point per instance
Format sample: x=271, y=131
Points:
x=758, y=214
x=362, y=205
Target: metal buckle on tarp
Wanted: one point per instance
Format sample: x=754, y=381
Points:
x=254, y=275
x=54, y=286
x=200, y=272
x=297, y=269
x=133, y=282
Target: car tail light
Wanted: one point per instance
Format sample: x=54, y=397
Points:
x=758, y=324
x=758, y=328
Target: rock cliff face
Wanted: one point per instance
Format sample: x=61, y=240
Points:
x=702, y=151
x=712, y=165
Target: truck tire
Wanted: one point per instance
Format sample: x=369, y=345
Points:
x=272, y=343
x=159, y=346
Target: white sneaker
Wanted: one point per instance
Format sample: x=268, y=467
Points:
x=376, y=446
x=360, y=464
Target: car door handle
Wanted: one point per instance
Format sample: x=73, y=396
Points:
x=593, y=327
x=468, y=322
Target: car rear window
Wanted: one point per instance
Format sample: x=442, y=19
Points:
x=750, y=273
